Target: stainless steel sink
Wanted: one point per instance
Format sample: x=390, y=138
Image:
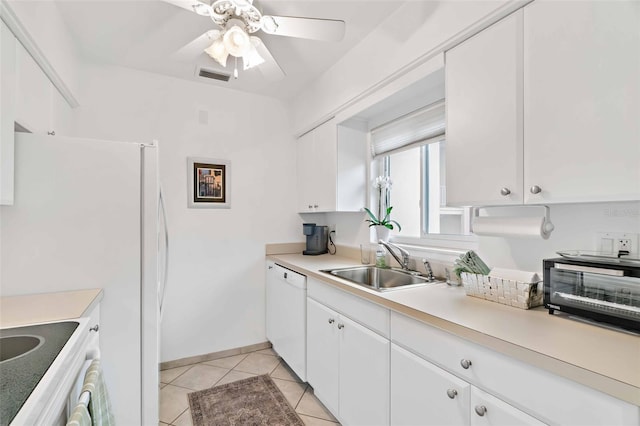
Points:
x=380, y=279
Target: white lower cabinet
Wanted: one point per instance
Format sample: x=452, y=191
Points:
x=424, y=394
x=486, y=409
x=516, y=387
x=347, y=366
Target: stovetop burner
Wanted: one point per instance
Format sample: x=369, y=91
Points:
x=26, y=353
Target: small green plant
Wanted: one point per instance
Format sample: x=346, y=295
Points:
x=385, y=221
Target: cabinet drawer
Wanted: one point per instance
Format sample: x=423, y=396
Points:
x=548, y=397
x=368, y=314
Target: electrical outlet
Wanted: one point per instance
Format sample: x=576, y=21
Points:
x=624, y=244
x=614, y=242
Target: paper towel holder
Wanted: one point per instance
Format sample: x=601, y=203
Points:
x=547, y=226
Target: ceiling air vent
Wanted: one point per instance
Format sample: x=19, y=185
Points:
x=205, y=73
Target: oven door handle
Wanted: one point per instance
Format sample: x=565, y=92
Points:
x=589, y=269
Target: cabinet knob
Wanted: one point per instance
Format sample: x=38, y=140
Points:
x=51, y=133
x=331, y=320
x=465, y=363
x=481, y=410
x=270, y=267
x=451, y=393
x=95, y=328
x=505, y=191
x=535, y=189
x=340, y=326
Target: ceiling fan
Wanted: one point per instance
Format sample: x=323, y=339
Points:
x=238, y=19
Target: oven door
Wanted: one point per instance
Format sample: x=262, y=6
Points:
x=598, y=292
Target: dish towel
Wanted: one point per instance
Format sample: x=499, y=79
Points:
x=99, y=403
x=80, y=416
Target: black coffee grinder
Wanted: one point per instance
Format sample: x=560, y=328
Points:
x=317, y=238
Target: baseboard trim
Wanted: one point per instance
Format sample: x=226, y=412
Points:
x=213, y=355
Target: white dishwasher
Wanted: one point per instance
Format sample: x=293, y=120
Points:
x=287, y=316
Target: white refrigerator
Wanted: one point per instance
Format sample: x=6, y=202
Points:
x=87, y=214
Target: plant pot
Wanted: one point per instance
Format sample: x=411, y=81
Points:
x=382, y=233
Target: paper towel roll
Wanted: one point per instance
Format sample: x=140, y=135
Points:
x=512, y=226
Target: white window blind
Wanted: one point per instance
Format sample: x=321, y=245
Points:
x=422, y=126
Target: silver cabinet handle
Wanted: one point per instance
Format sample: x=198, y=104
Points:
x=451, y=393
x=505, y=191
x=340, y=326
x=535, y=189
x=481, y=410
x=270, y=267
x=331, y=320
x=465, y=363
x=310, y=206
x=315, y=206
x=95, y=328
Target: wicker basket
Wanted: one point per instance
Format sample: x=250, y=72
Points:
x=507, y=292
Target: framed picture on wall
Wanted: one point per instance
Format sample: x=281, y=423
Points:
x=209, y=183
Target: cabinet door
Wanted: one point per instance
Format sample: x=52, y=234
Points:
x=323, y=353
x=423, y=394
x=7, y=112
x=306, y=171
x=489, y=410
x=582, y=101
x=326, y=170
x=364, y=375
x=484, y=116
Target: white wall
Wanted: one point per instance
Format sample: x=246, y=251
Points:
x=47, y=29
x=215, y=293
x=576, y=226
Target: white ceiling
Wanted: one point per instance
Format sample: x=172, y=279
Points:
x=146, y=35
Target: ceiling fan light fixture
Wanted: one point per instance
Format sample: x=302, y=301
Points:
x=252, y=58
x=218, y=51
x=236, y=41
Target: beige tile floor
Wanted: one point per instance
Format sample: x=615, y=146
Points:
x=176, y=383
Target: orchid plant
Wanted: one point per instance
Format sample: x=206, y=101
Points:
x=382, y=184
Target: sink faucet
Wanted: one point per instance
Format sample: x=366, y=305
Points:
x=427, y=267
x=404, y=262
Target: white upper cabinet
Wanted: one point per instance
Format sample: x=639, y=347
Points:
x=484, y=116
x=543, y=107
x=582, y=101
x=331, y=169
x=317, y=154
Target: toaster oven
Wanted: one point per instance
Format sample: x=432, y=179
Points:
x=605, y=290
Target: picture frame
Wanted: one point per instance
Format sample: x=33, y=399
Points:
x=209, y=183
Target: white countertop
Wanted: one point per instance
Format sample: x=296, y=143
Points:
x=47, y=307
x=603, y=359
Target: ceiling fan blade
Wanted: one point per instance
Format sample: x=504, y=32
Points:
x=309, y=28
x=270, y=68
x=195, y=48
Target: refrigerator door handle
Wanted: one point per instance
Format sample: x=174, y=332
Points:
x=165, y=267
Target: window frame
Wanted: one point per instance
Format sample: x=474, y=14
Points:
x=445, y=244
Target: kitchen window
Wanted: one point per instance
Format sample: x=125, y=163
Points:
x=411, y=151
